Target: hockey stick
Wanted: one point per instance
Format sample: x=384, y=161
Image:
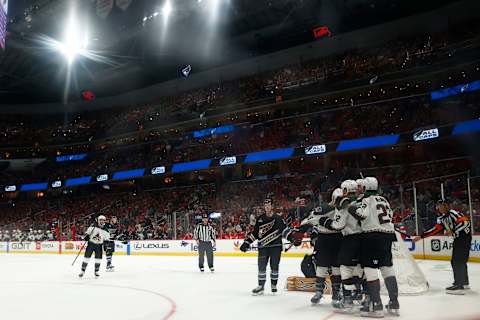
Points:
x=402, y=232
x=83, y=245
x=78, y=254
x=290, y=244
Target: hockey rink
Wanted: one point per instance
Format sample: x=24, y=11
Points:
x=156, y=288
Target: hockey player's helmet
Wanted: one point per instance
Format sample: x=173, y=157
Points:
x=335, y=195
x=371, y=184
x=348, y=187
x=101, y=220
x=360, y=185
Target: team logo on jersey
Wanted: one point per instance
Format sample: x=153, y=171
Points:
x=436, y=245
x=265, y=228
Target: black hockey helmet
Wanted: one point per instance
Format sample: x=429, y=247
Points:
x=268, y=199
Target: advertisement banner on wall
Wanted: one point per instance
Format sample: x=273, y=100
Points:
x=442, y=247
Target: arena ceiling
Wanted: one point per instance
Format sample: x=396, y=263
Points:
x=141, y=47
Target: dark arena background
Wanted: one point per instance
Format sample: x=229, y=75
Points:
x=126, y=123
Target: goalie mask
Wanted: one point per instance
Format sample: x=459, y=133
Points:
x=101, y=220
x=349, y=187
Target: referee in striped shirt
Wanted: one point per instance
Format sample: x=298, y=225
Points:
x=458, y=225
x=205, y=234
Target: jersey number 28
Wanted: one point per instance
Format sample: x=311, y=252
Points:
x=385, y=215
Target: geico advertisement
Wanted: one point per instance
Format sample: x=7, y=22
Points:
x=443, y=246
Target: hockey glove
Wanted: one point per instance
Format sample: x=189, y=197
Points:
x=86, y=238
x=245, y=246
x=295, y=237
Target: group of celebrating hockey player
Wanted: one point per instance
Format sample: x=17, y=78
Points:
x=352, y=237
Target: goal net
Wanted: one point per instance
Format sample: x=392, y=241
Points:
x=410, y=278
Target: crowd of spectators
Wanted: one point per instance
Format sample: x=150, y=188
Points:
x=162, y=214
x=367, y=64
x=400, y=106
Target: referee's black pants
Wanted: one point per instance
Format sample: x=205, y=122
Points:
x=460, y=255
x=205, y=247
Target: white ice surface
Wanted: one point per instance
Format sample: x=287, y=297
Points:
x=155, y=288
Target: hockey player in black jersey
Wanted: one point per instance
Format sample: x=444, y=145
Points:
x=268, y=231
x=109, y=245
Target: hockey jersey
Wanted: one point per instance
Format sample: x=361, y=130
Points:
x=375, y=213
x=112, y=229
x=312, y=220
x=267, y=230
x=97, y=235
x=343, y=220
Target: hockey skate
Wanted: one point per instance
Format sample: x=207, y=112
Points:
x=317, y=297
x=258, y=291
x=274, y=288
x=110, y=268
x=336, y=298
x=97, y=274
x=393, y=307
x=81, y=274
x=345, y=306
x=202, y=269
x=372, y=310
x=212, y=269
x=357, y=297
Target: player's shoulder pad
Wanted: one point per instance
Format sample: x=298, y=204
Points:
x=344, y=202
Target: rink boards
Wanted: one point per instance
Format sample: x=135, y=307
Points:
x=437, y=248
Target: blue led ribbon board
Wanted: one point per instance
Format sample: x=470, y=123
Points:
x=72, y=157
x=366, y=143
x=269, y=155
x=212, y=131
x=193, y=165
x=466, y=127
x=453, y=91
x=129, y=174
x=34, y=186
x=78, y=181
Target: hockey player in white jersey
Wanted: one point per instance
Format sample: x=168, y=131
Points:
x=95, y=235
x=326, y=244
x=349, y=255
x=378, y=234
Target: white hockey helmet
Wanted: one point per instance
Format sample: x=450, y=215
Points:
x=349, y=186
x=101, y=220
x=360, y=185
x=336, y=194
x=371, y=184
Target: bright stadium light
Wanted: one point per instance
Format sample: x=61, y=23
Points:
x=75, y=43
x=167, y=8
